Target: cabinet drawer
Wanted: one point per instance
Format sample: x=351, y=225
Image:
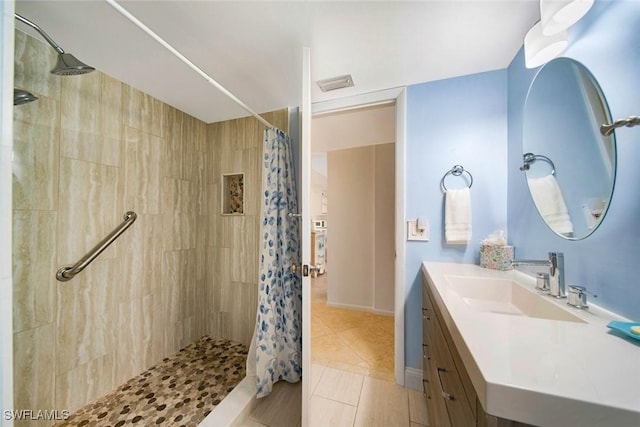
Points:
x=448, y=383
x=436, y=405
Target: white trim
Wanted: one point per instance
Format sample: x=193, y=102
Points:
x=397, y=95
x=413, y=379
x=305, y=238
x=361, y=308
x=6, y=257
x=371, y=99
x=401, y=292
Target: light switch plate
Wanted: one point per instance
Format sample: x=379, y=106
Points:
x=414, y=234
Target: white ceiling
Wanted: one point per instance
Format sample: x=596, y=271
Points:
x=254, y=48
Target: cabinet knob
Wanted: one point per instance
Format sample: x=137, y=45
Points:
x=447, y=396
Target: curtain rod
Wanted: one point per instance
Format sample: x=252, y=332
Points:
x=180, y=56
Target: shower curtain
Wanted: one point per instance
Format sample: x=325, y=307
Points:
x=279, y=320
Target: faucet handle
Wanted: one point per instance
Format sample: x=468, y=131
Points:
x=542, y=282
x=578, y=296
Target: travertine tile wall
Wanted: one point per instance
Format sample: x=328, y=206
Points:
x=232, y=244
x=88, y=150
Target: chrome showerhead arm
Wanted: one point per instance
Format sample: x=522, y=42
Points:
x=41, y=31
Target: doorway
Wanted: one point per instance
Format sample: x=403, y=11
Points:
x=353, y=220
x=352, y=203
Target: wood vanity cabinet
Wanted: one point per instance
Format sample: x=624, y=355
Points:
x=451, y=398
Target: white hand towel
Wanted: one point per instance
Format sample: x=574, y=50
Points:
x=457, y=216
x=547, y=195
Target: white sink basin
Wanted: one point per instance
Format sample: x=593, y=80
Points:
x=503, y=296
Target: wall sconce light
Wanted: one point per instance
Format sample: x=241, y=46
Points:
x=558, y=15
x=539, y=48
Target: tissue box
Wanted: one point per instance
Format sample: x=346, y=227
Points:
x=496, y=257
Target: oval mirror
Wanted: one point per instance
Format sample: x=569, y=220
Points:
x=570, y=166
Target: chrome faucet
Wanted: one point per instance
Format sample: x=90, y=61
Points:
x=556, y=272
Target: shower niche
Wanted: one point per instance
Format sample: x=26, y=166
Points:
x=233, y=194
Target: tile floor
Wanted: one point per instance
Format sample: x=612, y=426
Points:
x=179, y=391
x=352, y=380
x=355, y=341
x=342, y=398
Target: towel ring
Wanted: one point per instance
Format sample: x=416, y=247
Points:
x=457, y=170
x=530, y=158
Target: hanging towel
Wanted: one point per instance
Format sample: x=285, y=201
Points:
x=548, y=198
x=457, y=216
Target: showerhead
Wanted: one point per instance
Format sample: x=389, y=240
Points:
x=69, y=65
x=22, y=97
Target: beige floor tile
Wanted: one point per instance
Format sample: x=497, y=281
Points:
x=350, y=340
x=332, y=348
x=366, y=344
x=418, y=407
x=382, y=403
x=385, y=323
x=329, y=413
x=360, y=368
x=319, y=328
x=381, y=368
x=316, y=374
x=341, y=386
x=282, y=408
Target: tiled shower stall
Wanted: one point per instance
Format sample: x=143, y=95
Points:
x=89, y=149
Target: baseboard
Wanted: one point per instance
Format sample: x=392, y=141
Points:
x=413, y=379
x=360, y=308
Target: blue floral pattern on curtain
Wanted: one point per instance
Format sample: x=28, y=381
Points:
x=279, y=319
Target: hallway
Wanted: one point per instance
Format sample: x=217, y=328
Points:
x=351, y=340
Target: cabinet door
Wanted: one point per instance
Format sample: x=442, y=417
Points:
x=438, y=414
x=449, y=384
x=435, y=404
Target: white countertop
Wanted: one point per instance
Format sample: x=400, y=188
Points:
x=538, y=371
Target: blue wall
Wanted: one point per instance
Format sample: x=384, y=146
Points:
x=607, y=41
x=455, y=121
x=476, y=121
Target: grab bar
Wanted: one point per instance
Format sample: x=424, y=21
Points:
x=67, y=273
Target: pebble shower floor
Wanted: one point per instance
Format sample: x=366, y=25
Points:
x=179, y=391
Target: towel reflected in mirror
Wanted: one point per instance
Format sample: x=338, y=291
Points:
x=548, y=198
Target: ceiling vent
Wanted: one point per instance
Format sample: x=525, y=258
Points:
x=334, y=83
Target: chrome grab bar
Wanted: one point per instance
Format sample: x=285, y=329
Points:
x=67, y=273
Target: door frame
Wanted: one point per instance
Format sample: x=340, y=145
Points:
x=6, y=146
x=397, y=96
